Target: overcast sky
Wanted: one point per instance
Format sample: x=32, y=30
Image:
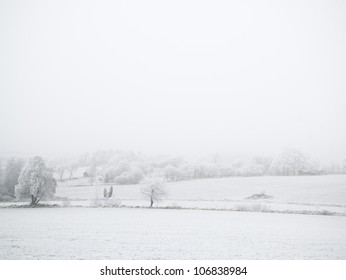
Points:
x=175, y=77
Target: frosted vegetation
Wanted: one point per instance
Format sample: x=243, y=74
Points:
x=172, y=181
x=129, y=168
x=123, y=205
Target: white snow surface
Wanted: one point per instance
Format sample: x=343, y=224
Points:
x=292, y=193
x=122, y=233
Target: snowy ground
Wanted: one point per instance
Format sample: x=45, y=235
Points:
x=329, y=189
x=131, y=233
x=299, y=193
x=118, y=233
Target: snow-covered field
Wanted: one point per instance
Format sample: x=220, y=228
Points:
x=142, y=233
x=119, y=233
x=299, y=193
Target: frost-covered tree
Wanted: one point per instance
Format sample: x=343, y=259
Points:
x=35, y=181
x=11, y=174
x=134, y=176
x=153, y=189
x=171, y=173
x=4, y=196
x=290, y=162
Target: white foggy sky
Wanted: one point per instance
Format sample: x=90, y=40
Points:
x=176, y=77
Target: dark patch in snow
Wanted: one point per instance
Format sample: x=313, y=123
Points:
x=259, y=196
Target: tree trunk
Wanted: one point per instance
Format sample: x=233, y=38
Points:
x=151, y=202
x=33, y=201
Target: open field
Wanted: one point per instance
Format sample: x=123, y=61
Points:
x=128, y=233
x=117, y=233
x=303, y=193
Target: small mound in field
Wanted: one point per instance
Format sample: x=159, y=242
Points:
x=259, y=196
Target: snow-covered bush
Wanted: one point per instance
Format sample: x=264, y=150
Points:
x=129, y=178
x=66, y=203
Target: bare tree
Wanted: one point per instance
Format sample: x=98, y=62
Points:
x=61, y=170
x=72, y=167
x=153, y=189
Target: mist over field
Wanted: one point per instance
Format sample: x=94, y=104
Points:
x=186, y=78
x=222, y=118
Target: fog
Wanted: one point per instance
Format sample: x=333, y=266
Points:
x=175, y=77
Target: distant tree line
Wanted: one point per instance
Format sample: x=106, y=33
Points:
x=34, y=179
x=129, y=168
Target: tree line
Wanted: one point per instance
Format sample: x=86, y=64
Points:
x=35, y=179
x=124, y=168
